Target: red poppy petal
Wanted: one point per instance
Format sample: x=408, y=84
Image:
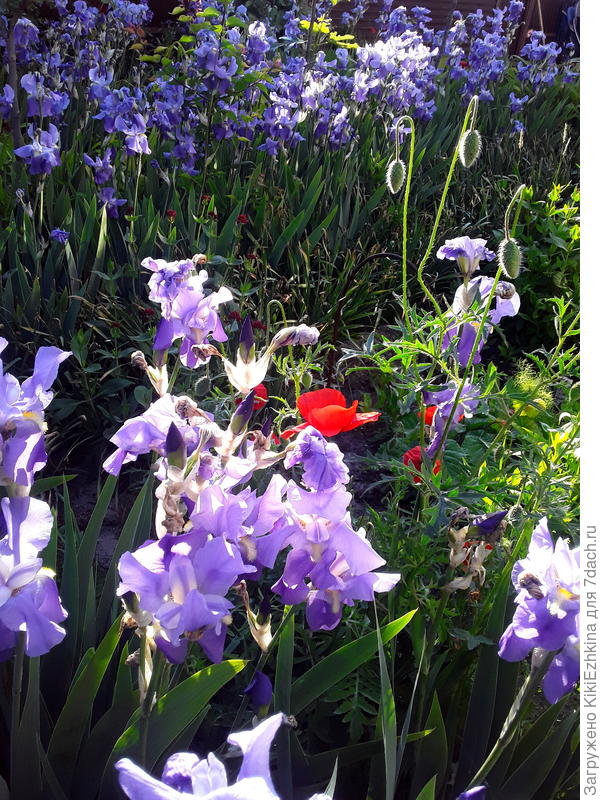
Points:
x=332, y=419
x=289, y=432
x=319, y=399
x=362, y=419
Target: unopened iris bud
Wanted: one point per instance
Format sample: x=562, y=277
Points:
x=469, y=148
x=489, y=526
x=395, y=175
x=241, y=418
x=267, y=425
x=260, y=693
x=510, y=258
x=246, y=350
x=264, y=612
x=175, y=447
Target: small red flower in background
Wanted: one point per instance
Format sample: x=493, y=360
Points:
x=129, y=210
x=147, y=312
x=242, y=219
x=235, y=316
x=205, y=198
x=213, y=215
x=171, y=214
x=430, y=413
x=258, y=325
x=325, y=410
x=414, y=457
x=251, y=256
x=260, y=397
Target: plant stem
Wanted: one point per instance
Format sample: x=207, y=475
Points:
x=264, y=656
x=15, y=711
x=438, y=217
x=514, y=717
x=158, y=665
x=478, y=337
x=409, y=170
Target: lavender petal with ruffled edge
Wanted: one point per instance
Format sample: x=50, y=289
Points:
x=467, y=253
x=547, y=613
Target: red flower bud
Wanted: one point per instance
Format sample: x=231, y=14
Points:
x=242, y=219
x=171, y=214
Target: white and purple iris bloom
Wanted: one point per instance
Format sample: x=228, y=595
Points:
x=547, y=613
x=467, y=253
x=444, y=400
x=22, y=449
x=181, y=580
x=147, y=433
x=29, y=600
x=462, y=335
x=188, y=312
x=185, y=775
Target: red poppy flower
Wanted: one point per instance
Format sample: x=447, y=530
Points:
x=235, y=316
x=251, y=256
x=325, y=410
x=260, y=397
x=429, y=413
x=258, y=325
x=171, y=214
x=205, y=198
x=213, y=215
x=242, y=219
x=148, y=312
x=414, y=457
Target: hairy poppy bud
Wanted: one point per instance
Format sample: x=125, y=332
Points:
x=395, y=175
x=510, y=258
x=469, y=148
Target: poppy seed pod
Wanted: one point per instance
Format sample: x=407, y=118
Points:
x=469, y=148
x=510, y=257
x=395, y=175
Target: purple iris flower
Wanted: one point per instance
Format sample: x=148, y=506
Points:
x=43, y=154
x=467, y=253
x=194, y=317
x=167, y=279
x=29, y=598
x=147, y=433
x=102, y=167
x=444, y=400
x=184, y=775
x=112, y=203
x=547, y=615
x=6, y=101
x=181, y=580
x=134, y=128
x=42, y=101
x=59, y=235
x=476, y=793
x=330, y=565
x=323, y=462
x=506, y=304
x=260, y=691
x=22, y=450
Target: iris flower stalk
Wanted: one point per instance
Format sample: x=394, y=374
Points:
x=515, y=715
